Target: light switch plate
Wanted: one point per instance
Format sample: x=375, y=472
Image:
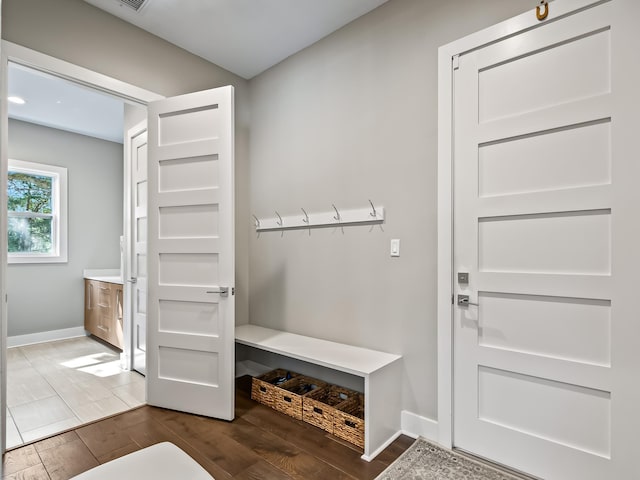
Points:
x=395, y=247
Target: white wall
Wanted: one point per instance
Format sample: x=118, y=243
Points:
x=77, y=32
x=46, y=297
x=351, y=118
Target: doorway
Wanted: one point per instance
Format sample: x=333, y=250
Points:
x=99, y=364
x=191, y=267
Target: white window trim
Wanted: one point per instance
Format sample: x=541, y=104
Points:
x=60, y=223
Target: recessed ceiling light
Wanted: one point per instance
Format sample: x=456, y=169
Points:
x=17, y=100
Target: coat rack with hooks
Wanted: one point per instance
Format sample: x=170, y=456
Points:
x=335, y=218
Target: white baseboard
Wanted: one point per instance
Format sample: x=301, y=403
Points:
x=374, y=454
x=416, y=426
x=40, y=337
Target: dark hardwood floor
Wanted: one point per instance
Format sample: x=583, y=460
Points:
x=259, y=444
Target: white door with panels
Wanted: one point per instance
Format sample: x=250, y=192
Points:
x=546, y=240
x=190, y=312
x=138, y=258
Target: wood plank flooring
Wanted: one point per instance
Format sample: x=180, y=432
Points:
x=259, y=444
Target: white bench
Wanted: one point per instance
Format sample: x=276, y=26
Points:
x=381, y=372
x=162, y=461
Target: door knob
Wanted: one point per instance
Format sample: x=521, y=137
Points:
x=463, y=301
x=223, y=291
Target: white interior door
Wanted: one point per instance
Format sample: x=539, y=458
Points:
x=546, y=227
x=190, y=320
x=138, y=259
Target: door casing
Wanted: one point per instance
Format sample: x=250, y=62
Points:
x=11, y=52
x=129, y=220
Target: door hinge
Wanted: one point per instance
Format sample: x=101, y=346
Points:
x=233, y=290
x=452, y=299
x=455, y=62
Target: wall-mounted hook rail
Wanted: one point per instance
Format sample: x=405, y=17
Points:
x=366, y=216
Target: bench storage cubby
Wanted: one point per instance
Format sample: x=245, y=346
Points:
x=381, y=372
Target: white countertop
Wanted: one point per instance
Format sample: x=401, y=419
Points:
x=109, y=276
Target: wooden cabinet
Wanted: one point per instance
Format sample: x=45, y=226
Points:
x=103, y=310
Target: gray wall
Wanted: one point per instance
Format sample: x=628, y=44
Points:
x=44, y=297
x=351, y=118
x=79, y=33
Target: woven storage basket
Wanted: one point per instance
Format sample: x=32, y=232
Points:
x=266, y=388
x=319, y=407
x=289, y=397
x=348, y=423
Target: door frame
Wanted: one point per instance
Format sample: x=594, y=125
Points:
x=127, y=233
x=11, y=52
x=447, y=57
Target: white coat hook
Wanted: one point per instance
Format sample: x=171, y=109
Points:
x=279, y=221
x=257, y=222
x=373, y=213
x=305, y=220
x=336, y=217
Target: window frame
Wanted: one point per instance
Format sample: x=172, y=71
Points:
x=59, y=231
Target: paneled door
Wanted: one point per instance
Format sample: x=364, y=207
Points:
x=190, y=313
x=546, y=226
x=138, y=265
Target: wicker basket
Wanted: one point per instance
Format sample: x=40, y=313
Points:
x=318, y=407
x=289, y=397
x=348, y=422
x=266, y=388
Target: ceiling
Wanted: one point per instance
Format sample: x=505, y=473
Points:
x=58, y=103
x=245, y=37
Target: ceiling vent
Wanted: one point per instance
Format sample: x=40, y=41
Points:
x=135, y=4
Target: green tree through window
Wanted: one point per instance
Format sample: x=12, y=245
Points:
x=30, y=202
x=37, y=212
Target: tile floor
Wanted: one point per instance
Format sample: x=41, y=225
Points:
x=55, y=386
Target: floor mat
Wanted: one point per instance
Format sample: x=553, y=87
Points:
x=426, y=461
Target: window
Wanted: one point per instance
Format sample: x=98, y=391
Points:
x=37, y=213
